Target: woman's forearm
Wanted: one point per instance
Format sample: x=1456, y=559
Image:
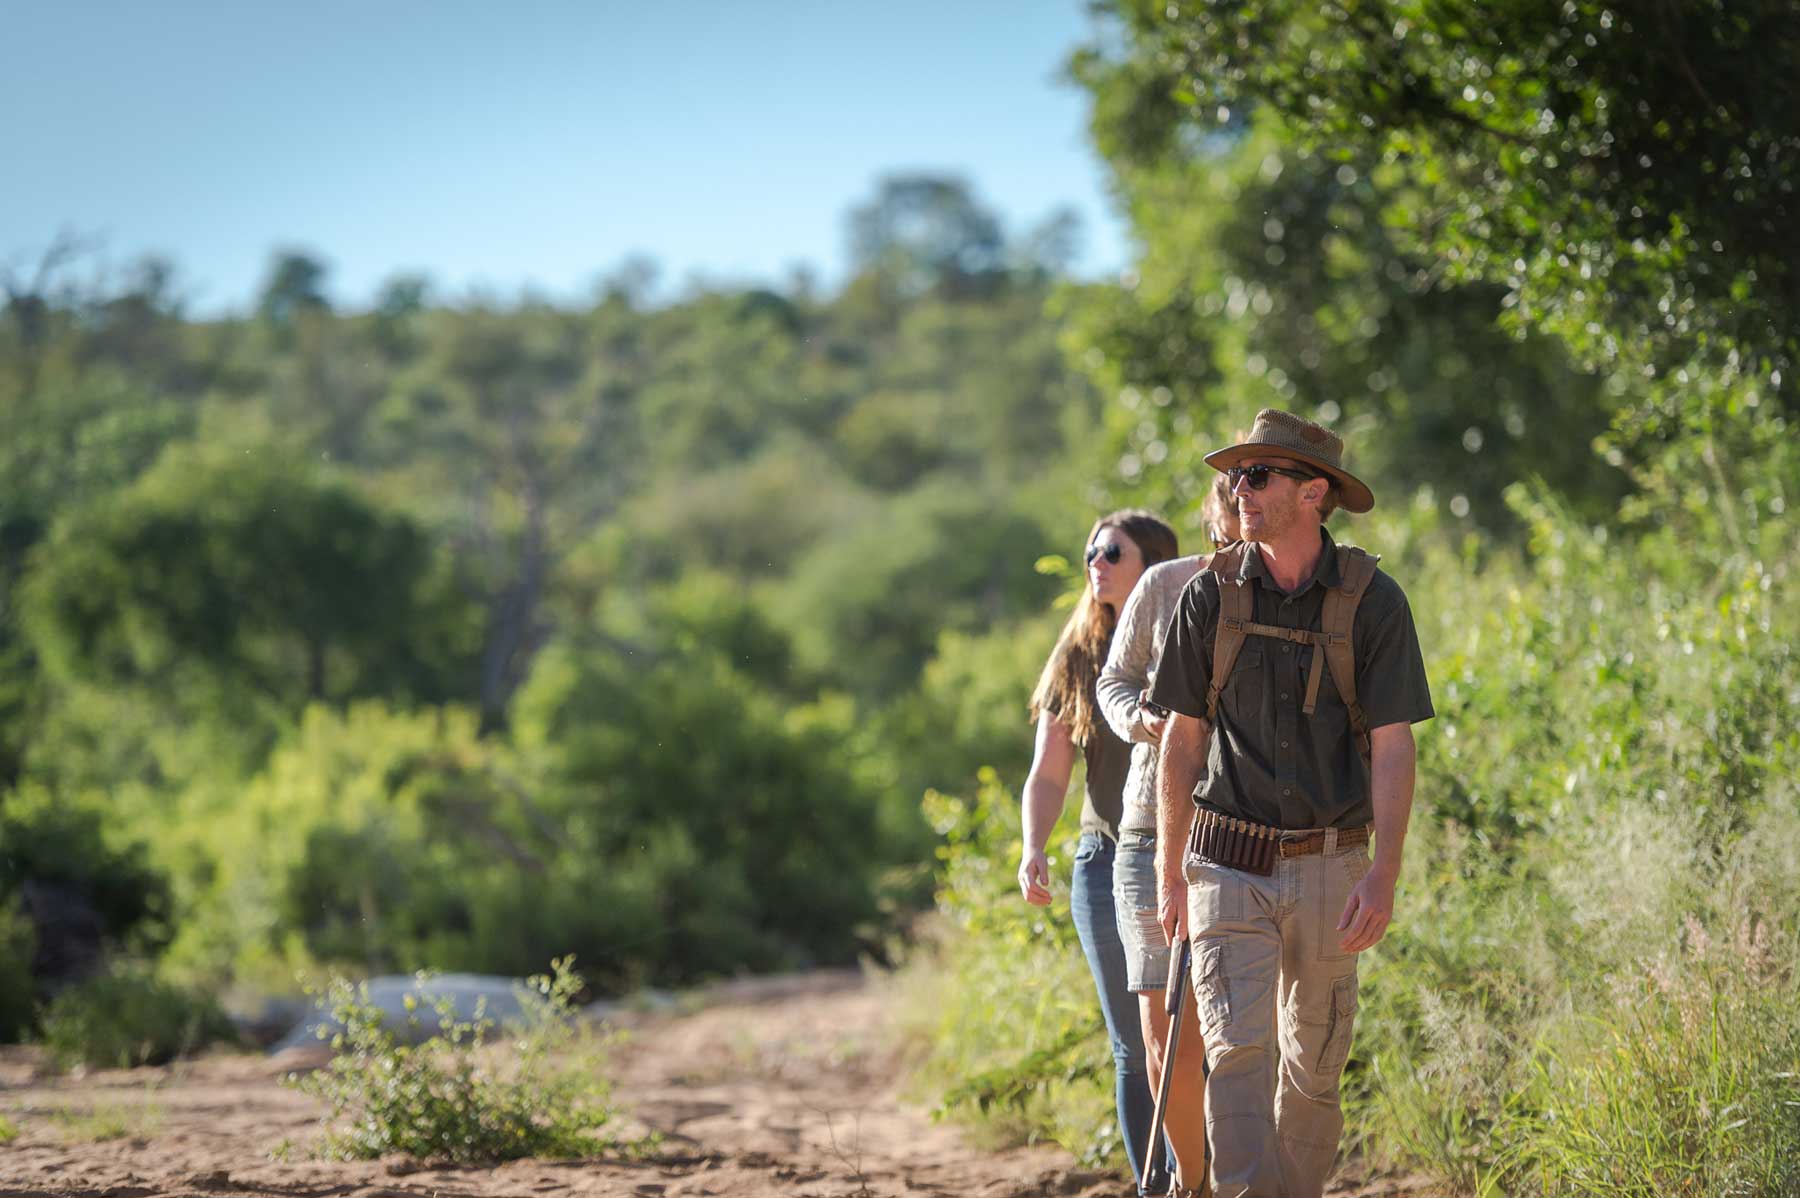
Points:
x=1127, y=670
x=1041, y=806
x=1052, y=765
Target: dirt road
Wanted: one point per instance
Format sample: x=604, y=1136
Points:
x=775, y=1087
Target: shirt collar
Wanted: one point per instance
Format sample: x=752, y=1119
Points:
x=1325, y=574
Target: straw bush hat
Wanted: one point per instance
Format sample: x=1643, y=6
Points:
x=1278, y=434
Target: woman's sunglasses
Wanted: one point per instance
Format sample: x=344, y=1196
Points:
x=1258, y=476
x=1109, y=552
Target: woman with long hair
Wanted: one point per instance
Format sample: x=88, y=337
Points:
x=1120, y=547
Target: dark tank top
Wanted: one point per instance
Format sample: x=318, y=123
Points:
x=1103, y=798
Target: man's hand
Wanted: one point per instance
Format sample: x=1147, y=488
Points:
x=1171, y=906
x=1367, y=912
x=1178, y=767
x=1034, y=878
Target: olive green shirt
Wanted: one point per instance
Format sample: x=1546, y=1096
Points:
x=1267, y=761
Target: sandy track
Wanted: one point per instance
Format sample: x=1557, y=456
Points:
x=775, y=1087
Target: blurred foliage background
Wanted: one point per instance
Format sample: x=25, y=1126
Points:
x=465, y=633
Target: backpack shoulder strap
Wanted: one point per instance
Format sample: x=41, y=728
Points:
x=1356, y=570
x=1235, y=612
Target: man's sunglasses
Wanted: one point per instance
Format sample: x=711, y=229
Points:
x=1258, y=476
x=1109, y=552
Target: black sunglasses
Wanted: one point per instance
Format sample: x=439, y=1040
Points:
x=1258, y=476
x=1109, y=552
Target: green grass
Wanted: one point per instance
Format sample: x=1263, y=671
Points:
x=109, y=1121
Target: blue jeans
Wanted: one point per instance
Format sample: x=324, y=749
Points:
x=1091, y=906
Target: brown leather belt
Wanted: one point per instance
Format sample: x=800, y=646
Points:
x=1347, y=838
x=1254, y=848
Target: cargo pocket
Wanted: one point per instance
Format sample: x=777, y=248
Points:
x=1215, y=897
x=1339, y=1024
x=1212, y=989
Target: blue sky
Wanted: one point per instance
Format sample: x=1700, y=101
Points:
x=524, y=144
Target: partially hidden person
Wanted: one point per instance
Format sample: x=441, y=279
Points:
x=1293, y=674
x=1068, y=720
x=1124, y=694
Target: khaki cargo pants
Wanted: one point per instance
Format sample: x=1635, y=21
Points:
x=1276, y=998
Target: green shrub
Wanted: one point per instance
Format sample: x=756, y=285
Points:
x=17, y=944
x=61, y=841
x=710, y=824
x=453, y=1097
x=1590, y=985
x=666, y=807
x=373, y=838
x=1013, y=1041
x=128, y=1018
x=64, y=839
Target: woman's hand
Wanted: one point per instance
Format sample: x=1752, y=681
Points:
x=1041, y=802
x=1034, y=878
x=1148, y=717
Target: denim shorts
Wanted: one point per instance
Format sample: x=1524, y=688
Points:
x=1134, y=900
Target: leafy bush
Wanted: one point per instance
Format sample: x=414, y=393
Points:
x=17, y=944
x=1594, y=958
x=392, y=840
x=62, y=839
x=711, y=824
x=57, y=844
x=456, y=1097
x=1005, y=1010
x=666, y=809
x=866, y=607
x=970, y=706
x=127, y=1018
x=240, y=582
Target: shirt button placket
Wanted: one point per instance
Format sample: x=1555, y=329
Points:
x=1286, y=717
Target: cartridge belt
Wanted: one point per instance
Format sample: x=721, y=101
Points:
x=1254, y=848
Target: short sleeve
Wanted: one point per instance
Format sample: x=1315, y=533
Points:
x=1390, y=671
x=1185, y=671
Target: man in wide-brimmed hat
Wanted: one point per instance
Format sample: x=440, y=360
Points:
x=1278, y=889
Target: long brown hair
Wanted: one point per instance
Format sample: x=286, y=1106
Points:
x=1217, y=508
x=1066, y=687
